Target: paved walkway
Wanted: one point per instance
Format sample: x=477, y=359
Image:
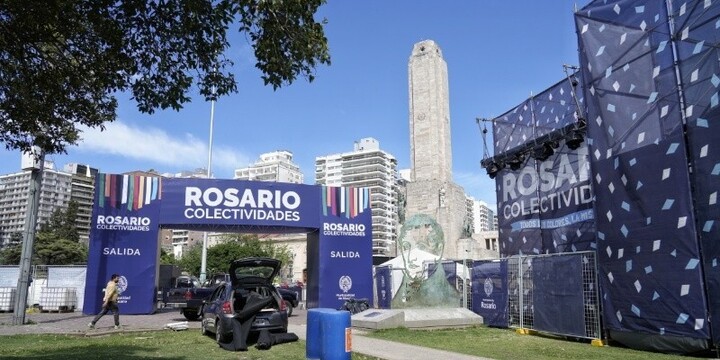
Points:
x=76, y=324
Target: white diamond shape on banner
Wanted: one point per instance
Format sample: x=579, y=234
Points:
x=598, y=178
x=616, y=86
x=682, y=221
x=694, y=75
x=622, y=38
x=611, y=187
x=619, y=316
x=656, y=245
x=616, y=8
x=621, y=253
x=609, y=215
x=689, y=111
x=608, y=250
x=712, y=200
x=641, y=137
x=685, y=33
x=699, y=323
x=656, y=71
x=703, y=151
x=666, y=174
x=684, y=290
x=664, y=111
x=638, y=286
x=600, y=51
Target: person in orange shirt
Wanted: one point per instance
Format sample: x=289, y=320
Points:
x=110, y=302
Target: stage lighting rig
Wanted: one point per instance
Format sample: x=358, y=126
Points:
x=492, y=167
x=517, y=161
x=576, y=135
x=545, y=151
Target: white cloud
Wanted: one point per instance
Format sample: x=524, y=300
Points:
x=478, y=185
x=157, y=146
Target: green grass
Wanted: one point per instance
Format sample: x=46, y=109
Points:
x=188, y=345
x=506, y=344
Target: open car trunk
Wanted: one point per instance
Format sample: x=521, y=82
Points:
x=258, y=300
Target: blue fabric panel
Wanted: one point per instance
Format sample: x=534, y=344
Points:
x=519, y=218
x=648, y=252
x=490, y=291
x=383, y=284
x=566, y=201
x=558, y=305
x=552, y=109
x=696, y=27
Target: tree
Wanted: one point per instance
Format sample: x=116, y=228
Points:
x=62, y=62
x=167, y=258
x=62, y=223
x=232, y=247
x=56, y=243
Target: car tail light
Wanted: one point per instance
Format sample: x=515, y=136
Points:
x=282, y=305
x=188, y=295
x=226, y=308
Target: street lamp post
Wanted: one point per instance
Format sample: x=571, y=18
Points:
x=203, y=261
x=31, y=213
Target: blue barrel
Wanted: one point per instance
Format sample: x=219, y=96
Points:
x=328, y=335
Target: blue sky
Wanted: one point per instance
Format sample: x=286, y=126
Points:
x=498, y=53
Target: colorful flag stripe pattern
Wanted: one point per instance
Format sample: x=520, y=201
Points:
x=348, y=202
x=129, y=191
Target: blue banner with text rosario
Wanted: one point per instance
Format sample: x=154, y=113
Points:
x=230, y=202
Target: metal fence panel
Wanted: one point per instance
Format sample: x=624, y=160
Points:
x=522, y=290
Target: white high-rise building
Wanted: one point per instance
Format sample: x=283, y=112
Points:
x=273, y=166
x=83, y=192
x=483, y=217
x=367, y=166
x=55, y=193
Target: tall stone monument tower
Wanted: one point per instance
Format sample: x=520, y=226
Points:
x=431, y=190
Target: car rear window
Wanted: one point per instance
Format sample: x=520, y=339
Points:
x=254, y=271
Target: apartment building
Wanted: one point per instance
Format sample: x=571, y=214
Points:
x=82, y=191
x=275, y=166
x=370, y=167
x=55, y=193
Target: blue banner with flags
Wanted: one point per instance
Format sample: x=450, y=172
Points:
x=124, y=241
x=345, y=246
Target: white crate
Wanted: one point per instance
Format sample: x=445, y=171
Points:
x=7, y=299
x=58, y=299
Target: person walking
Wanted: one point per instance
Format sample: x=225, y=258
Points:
x=110, y=302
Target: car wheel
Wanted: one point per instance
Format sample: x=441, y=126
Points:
x=191, y=315
x=288, y=308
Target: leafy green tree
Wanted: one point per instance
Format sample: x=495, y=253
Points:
x=167, y=258
x=50, y=249
x=63, y=62
x=10, y=255
x=56, y=243
x=232, y=247
x=62, y=223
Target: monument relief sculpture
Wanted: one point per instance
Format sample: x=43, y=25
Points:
x=422, y=232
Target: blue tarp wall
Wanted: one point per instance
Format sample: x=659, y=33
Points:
x=651, y=269
x=544, y=206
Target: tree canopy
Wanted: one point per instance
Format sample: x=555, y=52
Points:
x=63, y=62
x=56, y=243
x=232, y=247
